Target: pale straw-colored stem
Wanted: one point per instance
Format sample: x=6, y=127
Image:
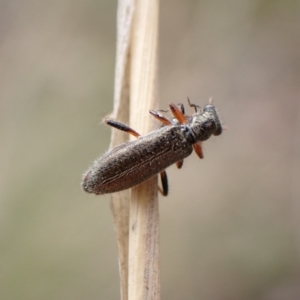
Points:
x=144, y=215
x=120, y=200
x=136, y=83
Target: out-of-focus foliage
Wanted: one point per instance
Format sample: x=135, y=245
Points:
x=230, y=228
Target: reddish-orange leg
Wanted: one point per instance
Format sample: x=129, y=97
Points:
x=164, y=120
x=163, y=175
x=182, y=120
x=177, y=113
x=179, y=164
x=160, y=117
x=198, y=149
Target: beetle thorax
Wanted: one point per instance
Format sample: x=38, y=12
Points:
x=202, y=126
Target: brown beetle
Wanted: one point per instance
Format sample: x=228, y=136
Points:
x=136, y=161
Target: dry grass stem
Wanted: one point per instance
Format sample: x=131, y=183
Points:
x=144, y=217
x=135, y=94
x=120, y=200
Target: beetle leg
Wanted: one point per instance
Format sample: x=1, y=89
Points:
x=177, y=114
x=198, y=149
x=163, y=110
x=164, y=182
x=181, y=106
x=122, y=127
x=196, y=107
x=179, y=164
x=160, y=117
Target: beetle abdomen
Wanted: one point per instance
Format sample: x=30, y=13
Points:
x=134, y=162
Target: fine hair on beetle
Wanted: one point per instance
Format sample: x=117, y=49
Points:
x=134, y=162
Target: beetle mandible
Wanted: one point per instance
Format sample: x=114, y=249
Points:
x=134, y=162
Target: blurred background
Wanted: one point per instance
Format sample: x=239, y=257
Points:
x=230, y=228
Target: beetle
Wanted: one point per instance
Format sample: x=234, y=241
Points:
x=134, y=162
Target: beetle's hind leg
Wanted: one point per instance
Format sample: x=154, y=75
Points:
x=164, y=182
x=122, y=127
